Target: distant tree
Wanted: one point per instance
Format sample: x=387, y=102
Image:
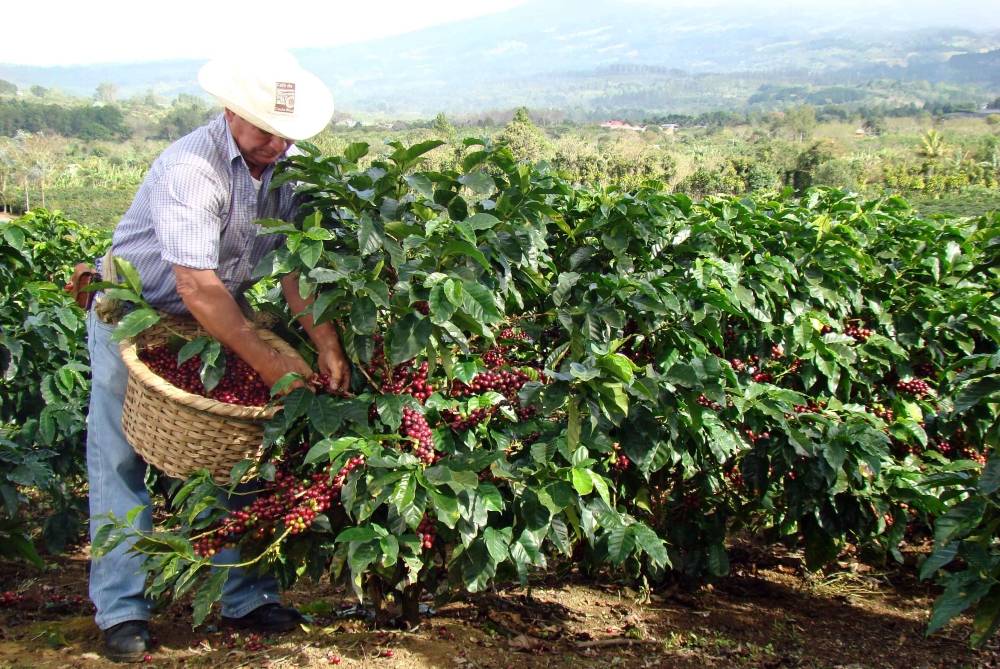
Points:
x=41, y=155
x=148, y=99
x=995, y=104
x=804, y=174
x=442, y=126
x=186, y=114
x=800, y=121
x=931, y=145
x=7, y=88
x=106, y=92
x=874, y=124
x=525, y=139
x=7, y=170
x=39, y=91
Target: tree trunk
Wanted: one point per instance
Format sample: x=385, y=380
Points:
x=411, y=605
x=27, y=196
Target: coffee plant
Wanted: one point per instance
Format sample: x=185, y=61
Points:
x=45, y=383
x=548, y=372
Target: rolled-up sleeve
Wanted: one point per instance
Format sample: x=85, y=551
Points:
x=187, y=205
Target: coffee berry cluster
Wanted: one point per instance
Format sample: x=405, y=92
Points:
x=415, y=426
x=239, y=385
x=426, y=532
x=506, y=382
x=9, y=598
x=293, y=501
x=860, y=334
x=914, y=387
x=709, y=404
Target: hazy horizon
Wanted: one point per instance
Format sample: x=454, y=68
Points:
x=112, y=33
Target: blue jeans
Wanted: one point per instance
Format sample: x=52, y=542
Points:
x=116, y=475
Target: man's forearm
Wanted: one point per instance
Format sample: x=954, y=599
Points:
x=216, y=310
x=324, y=335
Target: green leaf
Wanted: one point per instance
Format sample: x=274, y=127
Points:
x=987, y=619
x=408, y=337
x=478, y=567
x=361, y=533
x=989, y=479
x=389, y=545
x=583, y=481
x=135, y=322
x=652, y=544
x=18, y=545
x=285, y=382
x=363, y=316
x=718, y=559
x=618, y=365
x=404, y=493
x=329, y=450
x=128, y=272
x=497, y=542
x=573, y=424
x=445, y=507
x=941, y=556
x=325, y=415
x=209, y=594
x=479, y=183
x=621, y=543
x=191, y=349
x=297, y=403
x=370, y=238
x=984, y=390
x=421, y=184
x=309, y=253
x=482, y=221
x=442, y=309
x=563, y=287
x=960, y=593
x=355, y=151
x=601, y=486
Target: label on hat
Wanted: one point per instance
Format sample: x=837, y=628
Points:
x=284, y=97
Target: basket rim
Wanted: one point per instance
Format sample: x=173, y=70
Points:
x=141, y=373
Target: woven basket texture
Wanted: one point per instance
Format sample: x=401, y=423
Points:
x=179, y=432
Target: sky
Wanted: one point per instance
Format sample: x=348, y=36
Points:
x=59, y=32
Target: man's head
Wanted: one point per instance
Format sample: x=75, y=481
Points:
x=258, y=147
x=272, y=93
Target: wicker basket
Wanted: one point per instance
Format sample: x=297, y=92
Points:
x=179, y=432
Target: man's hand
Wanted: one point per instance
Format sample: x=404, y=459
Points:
x=278, y=364
x=334, y=364
x=332, y=361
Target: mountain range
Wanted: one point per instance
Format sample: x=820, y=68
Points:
x=606, y=56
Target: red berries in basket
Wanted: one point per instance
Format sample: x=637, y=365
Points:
x=239, y=385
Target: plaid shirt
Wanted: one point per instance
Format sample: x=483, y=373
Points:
x=197, y=208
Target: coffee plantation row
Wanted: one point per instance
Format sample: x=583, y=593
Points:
x=547, y=373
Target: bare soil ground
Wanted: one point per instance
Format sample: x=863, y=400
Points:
x=769, y=614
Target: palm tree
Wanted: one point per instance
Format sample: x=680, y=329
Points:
x=931, y=144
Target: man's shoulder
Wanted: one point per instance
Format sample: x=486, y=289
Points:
x=203, y=148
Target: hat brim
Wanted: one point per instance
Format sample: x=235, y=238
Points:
x=276, y=96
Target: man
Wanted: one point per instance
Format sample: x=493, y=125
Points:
x=191, y=234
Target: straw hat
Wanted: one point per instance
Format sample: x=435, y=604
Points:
x=272, y=91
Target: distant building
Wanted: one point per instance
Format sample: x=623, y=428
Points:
x=669, y=128
x=623, y=125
